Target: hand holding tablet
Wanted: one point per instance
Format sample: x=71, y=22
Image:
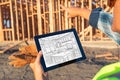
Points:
x=59, y=48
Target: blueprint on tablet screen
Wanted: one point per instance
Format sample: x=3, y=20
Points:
x=59, y=48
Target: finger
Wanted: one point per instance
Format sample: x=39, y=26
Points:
x=11, y=57
x=13, y=63
x=63, y=7
x=69, y=16
x=32, y=65
x=38, y=57
x=20, y=64
x=46, y=74
x=14, y=58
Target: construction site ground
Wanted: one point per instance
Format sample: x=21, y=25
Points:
x=84, y=70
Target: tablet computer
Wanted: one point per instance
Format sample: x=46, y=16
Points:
x=59, y=48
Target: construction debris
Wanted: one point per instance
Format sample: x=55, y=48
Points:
x=108, y=56
x=103, y=55
x=25, y=55
x=112, y=58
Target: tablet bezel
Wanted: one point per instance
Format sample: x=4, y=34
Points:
x=36, y=38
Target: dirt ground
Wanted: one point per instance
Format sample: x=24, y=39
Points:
x=84, y=70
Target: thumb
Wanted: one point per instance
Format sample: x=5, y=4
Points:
x=69, y=16
x=32, y=66
x=38, y=57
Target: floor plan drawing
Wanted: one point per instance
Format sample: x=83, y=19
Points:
x=59, y=48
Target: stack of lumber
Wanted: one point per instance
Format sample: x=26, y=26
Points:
x=107, y=55
x=25, y=55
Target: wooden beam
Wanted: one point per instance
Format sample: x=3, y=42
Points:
x=76, y=21
x=69, y=19
x=57, y=27
x=83, y=27
x=22, y=20
x=1, y=32
x=91, y=29
x=33, y=27
x=17, y=23
x=66, y=16
x=12, y=20
x=51, y=15
x=59, y=16
x=112, y=58
x=5, y=3
x=8, y=34
x=62, y=17
x=28, y=24
x=6, y=29
x=103, y=55
x=39, y=17
x=43, y=16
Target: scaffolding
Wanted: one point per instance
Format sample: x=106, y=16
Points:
x=23, y=19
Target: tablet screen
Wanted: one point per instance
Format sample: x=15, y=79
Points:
x=60, y=48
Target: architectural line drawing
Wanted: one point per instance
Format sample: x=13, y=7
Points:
x=59, y=48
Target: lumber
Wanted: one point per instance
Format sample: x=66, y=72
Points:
x=12, y=20
x=39, y=17
x=112, y=58
x=22, y=20
x=1, y=30
x=103, y=55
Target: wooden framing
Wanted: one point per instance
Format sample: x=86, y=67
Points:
x=1, y=32
x=83, y=35
x=51, y=18
x=28, y=18
x=39, y=17
x=22, y=23
x=12, y=20
x=17, y=24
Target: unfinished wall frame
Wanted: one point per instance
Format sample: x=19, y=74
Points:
x=23, y=19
